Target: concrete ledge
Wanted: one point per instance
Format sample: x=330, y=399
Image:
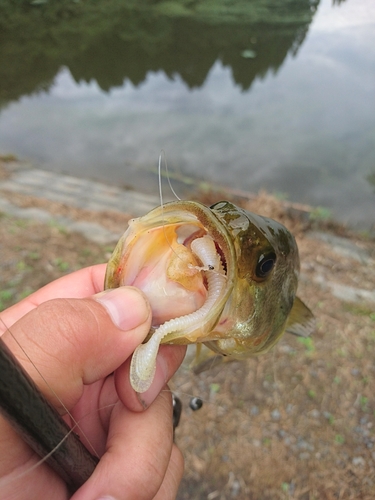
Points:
x=73, y=192
x=81, y=193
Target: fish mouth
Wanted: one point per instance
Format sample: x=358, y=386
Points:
x=181, y=256
x=156, y=255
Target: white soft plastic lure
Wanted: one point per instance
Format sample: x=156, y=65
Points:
x=143, y=362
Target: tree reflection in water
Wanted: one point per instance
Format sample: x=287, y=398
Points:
x=114, y=41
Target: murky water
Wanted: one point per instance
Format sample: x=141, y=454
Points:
x=285, y=103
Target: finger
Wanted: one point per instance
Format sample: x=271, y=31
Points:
x=83, y=283
x=173, y=476
x=137, y=457
x=22, y=476
x=168, y=360
x=85, y=344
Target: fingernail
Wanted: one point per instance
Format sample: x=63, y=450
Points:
x=160, y=379
x=126, y=306
x=106, y=498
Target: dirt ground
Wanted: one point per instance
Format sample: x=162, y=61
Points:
x=296, y=423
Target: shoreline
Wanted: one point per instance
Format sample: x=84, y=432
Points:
x=99, y=213
x=30, y=192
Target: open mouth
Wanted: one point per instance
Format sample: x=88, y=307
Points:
x=182, y=267
x=213, y=279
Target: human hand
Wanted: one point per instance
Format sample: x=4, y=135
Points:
x=84, y=357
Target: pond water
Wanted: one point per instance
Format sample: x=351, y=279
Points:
x=239, y=98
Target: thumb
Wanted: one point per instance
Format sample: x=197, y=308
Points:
x=79, y=341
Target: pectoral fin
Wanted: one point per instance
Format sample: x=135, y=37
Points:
x=205, y=359
x=301, y=320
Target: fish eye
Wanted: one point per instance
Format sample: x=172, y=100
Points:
x=265, y=265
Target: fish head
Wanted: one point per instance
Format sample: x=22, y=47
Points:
x=259, y=258
x=265, y=285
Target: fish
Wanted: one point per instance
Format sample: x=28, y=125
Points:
x=219, y=276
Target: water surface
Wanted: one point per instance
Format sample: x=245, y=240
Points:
x=252, y=102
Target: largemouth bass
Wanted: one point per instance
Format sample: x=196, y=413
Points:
x=221, y=276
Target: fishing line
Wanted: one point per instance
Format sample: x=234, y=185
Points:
x=76, y=424
x=5, y=482
x=163, y=156
x=192, y=396
x=179, y=393
x=163, y=162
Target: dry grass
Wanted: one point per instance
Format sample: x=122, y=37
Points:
x=33, y=254
x=298, y=422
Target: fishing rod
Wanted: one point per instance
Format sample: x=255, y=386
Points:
x=40, y=425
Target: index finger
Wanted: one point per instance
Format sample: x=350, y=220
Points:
x=80, y=284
